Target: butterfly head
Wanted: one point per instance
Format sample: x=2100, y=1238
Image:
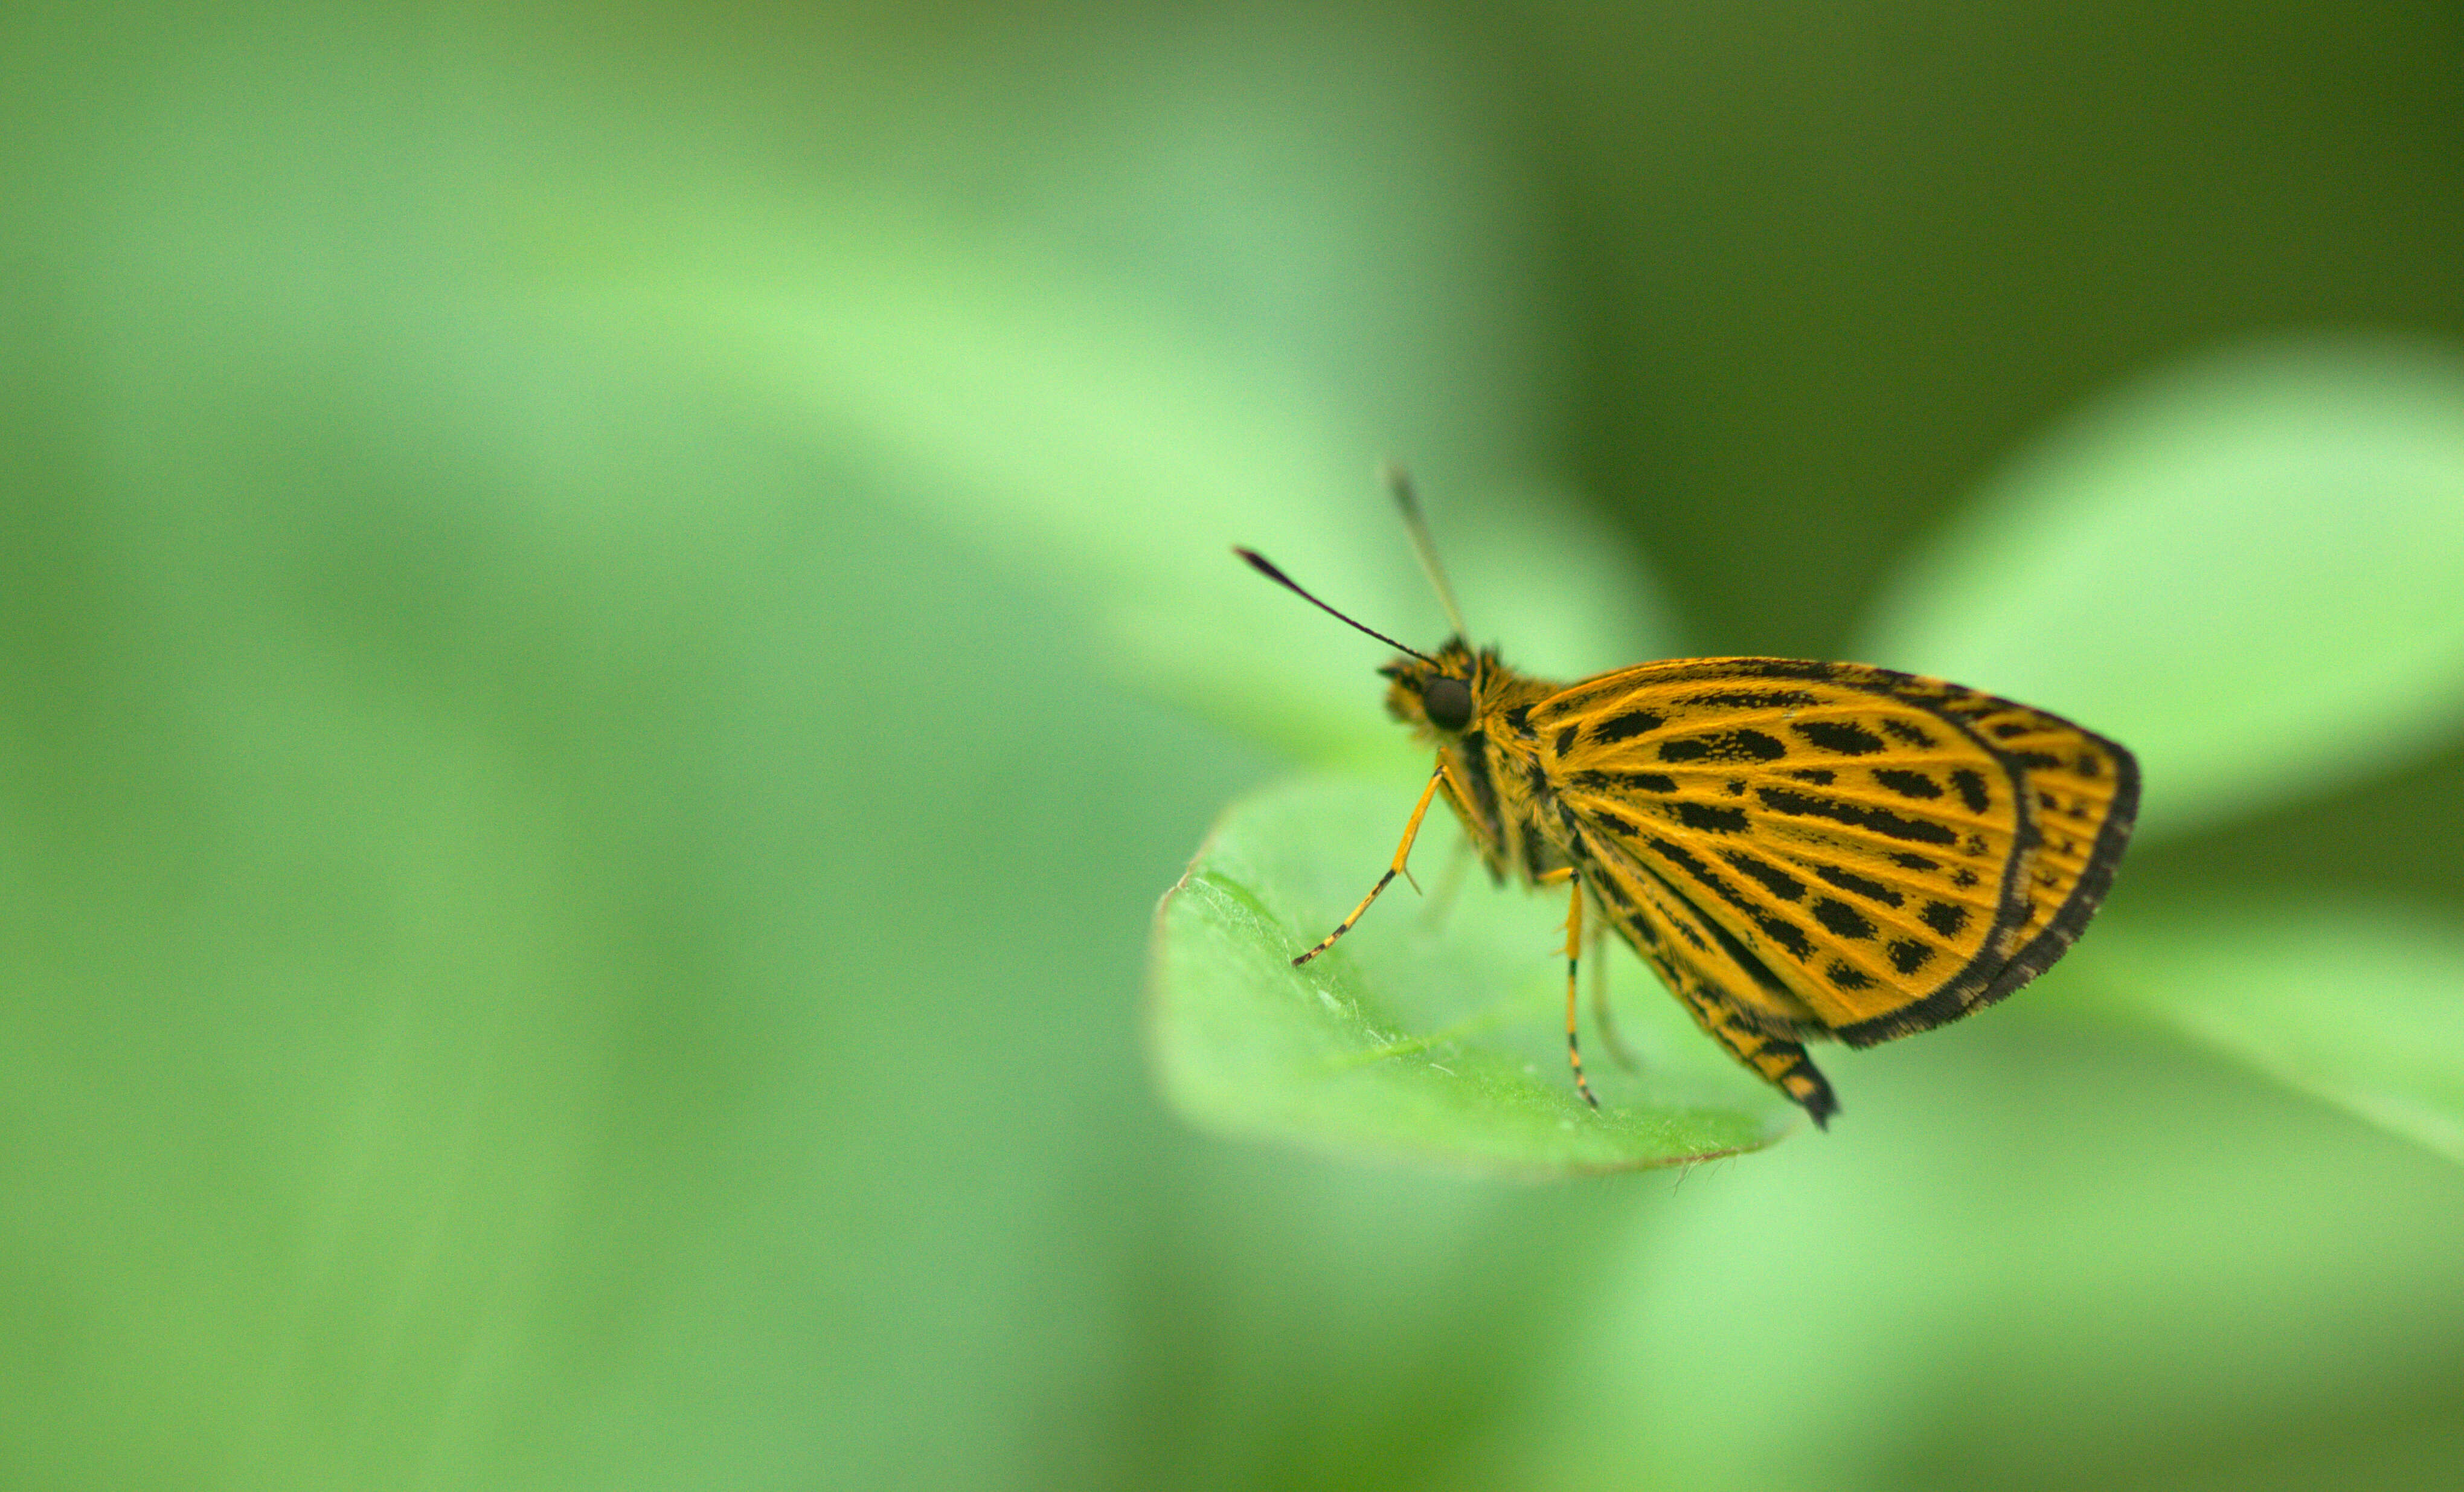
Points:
x=1439, y=693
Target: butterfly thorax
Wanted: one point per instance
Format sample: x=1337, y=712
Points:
x=1475, y=712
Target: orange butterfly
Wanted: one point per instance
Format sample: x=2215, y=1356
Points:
x=1801, y=850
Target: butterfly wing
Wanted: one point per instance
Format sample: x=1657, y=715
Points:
x=1732, y=994
x=1811, y=849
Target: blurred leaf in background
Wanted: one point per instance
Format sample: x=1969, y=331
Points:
x=609, y=624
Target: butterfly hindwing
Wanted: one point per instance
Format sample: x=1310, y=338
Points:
x=1739, y=1001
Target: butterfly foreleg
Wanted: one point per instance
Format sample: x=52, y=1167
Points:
x=1402, y=853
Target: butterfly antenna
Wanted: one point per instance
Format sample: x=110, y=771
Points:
x=1260, y=562
x=1398, y=481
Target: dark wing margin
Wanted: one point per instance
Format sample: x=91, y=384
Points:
x=2087, y=893
x=2091, y=782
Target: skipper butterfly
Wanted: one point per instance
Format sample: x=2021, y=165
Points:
x=1800, y=850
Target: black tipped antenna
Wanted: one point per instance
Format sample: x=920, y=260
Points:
x=1260, y=562
x=1398, y=481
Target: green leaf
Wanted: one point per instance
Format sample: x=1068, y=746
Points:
x=2362, y=1006
x=2247, y=570
x=1434, y=1029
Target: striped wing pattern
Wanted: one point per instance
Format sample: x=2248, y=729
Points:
x=1808, y=848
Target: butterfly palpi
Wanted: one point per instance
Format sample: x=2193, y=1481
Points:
x=1800, y=850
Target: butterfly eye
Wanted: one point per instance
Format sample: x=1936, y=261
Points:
x=1448, y=702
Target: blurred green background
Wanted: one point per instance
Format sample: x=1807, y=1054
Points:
x=611, y=620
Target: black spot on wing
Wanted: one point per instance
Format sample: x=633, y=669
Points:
x=1520, y=717
x=1971, y=789
x=1847, y=976
x=1845, y=737
x=1900, y=731
x=2036, y=761
x=1850, y=880
x=1613, y=782
x=1744, y=958
x=1640, y=930
x=1819, y=777
x=1617, y=824
x=2009, y=729
x=1711, y=818
x=1787, y=934
x=1913, y=861
x=1908, y=784
x=1673, y=906
x=1776, y=880
x=1628, y=726
x=1724, y=745
x=1843, y=918
x=1881, y=820
x=1753, y=698
x=1945, y=918
x=1565, y=738
x=1910, y=954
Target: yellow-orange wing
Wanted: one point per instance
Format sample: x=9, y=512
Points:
x=1808, y=848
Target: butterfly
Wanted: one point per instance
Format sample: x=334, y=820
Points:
x=1801, y=851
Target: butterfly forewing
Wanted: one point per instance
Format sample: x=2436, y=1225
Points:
x=1865, y=852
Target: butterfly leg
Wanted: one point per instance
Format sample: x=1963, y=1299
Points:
x=1574, y=965
x=1402, y=853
